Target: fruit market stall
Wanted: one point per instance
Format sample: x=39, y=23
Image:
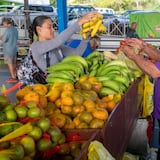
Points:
x=85, y=99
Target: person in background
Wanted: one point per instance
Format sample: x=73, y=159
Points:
x=42, y=27
x=131, y=33
x=150, y=68
x=93, y=44
x=9, y=40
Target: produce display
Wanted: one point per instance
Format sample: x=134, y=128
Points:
x=80, y=94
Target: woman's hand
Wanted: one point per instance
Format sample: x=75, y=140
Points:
x=87, y=17
x=136, y=43
x=128, y=51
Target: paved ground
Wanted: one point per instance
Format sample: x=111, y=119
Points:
x=4, y=75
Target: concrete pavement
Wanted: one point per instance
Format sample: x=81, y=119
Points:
x=4, y=75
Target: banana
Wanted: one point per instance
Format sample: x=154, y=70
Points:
x=112, y=85
x=108, y=69
x=102, y=29
x=93, y=55
x=65, y=67
x=104, y=78
x=92, y=73
x=117, y=62
x=56, y=79
x=76, y=58
x=95, y=29
x=87, y=24
x=62, y=74
x=122, y=79
x=106, y=91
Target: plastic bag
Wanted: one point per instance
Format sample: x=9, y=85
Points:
x=96, y=151
x=147, y=98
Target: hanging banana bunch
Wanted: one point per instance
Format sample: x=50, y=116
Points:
x=93, y=27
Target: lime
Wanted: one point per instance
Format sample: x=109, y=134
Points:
x=21, y=111
x=11, y=115
x=33, y=112
x=4, y=130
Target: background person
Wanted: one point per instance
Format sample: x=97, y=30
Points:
x=9, y=40
x=131, y=33
x=150, y=68
x=42, y=27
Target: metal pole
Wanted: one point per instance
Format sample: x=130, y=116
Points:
x=62, y=15
x=26, y=12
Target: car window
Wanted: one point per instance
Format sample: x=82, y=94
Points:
x=48, y=9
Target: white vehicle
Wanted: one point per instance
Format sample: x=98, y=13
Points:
x=18, y=13
x=105, y=11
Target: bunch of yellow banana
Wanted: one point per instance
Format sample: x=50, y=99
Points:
x=94, y=26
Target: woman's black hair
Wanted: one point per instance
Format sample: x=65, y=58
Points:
x=38, y=21
x=7, y=20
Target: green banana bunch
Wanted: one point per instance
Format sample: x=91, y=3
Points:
x=95, y=60
x=68, y=70
x=115, y=77
x=77, y=58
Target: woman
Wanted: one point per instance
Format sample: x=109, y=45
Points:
x=9, y=39
x=42, y=27
x=150, y=68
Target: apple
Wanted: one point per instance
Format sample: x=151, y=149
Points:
x=44, y=124
x=34, y=112
x=21, y=111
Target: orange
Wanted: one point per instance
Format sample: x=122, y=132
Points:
x=31, y=96
x=40, y=88
x=110, y=106
x=106, y=98
x=66, y=93
x=77, y=98
x=92, y=80
x=53, y=94
x=76, y=121
x=102, y=103
x=97, y=86
x=68, y=86
x=43, y=101
x=89, y=105
x=67, y=101
x=58, y=102
x=100, y=113
x=77, y=109
x=66, y=109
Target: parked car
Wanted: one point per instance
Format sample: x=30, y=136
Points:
x=105, y=10
x=5, y=8
x=77, y=11
x=18, y=13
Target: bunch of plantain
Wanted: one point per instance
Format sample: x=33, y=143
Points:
x=68, y=70
x=115, y=77
x=93, y=27
x=114, y=74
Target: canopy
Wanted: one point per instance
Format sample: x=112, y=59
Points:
x=148, y=24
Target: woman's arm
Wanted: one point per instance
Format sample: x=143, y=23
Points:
x=56, y=42
x=147, y=66
x=151, y=51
